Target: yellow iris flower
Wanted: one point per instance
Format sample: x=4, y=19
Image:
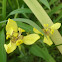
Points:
x=48, y=31
x=16, y=38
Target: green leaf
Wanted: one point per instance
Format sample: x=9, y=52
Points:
x=2, y=50
x=52, y=2
x=55, y=9
x=45, y=2
x=37, y=51
x=59, y=17
x=23, y=10
x=41, y=52
x=4, y=9
x=2, y=23
x=26, y=27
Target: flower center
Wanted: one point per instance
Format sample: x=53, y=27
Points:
x=47, y=31
x=15, y=37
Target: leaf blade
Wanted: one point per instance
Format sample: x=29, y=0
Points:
x=45, y=2
x=41, y=52
x=2, y=50
x=21, y=10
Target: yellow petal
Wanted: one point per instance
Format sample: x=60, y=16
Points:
x=18, y=42
x=56, y=26
x=21, y=30
x=47, y=41
x=30, y=39
x=36, y=31
x=11, y=26
x=10, y=47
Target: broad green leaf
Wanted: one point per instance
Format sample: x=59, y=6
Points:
x=2, y=50
x=21, y=10
x=55, y=9
x=41, y=52
x=43, y=18
x=45, y=2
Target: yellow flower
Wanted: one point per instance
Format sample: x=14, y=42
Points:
x=16, y=38
x=48, y=31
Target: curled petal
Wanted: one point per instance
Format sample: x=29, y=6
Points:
x=10, y=47
x=21, y=30
x=18, y=42
x=7, y=36
x=36, y=31
x=47, y=40
x=30, y=39
x=11, y=26
x=56, y=26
